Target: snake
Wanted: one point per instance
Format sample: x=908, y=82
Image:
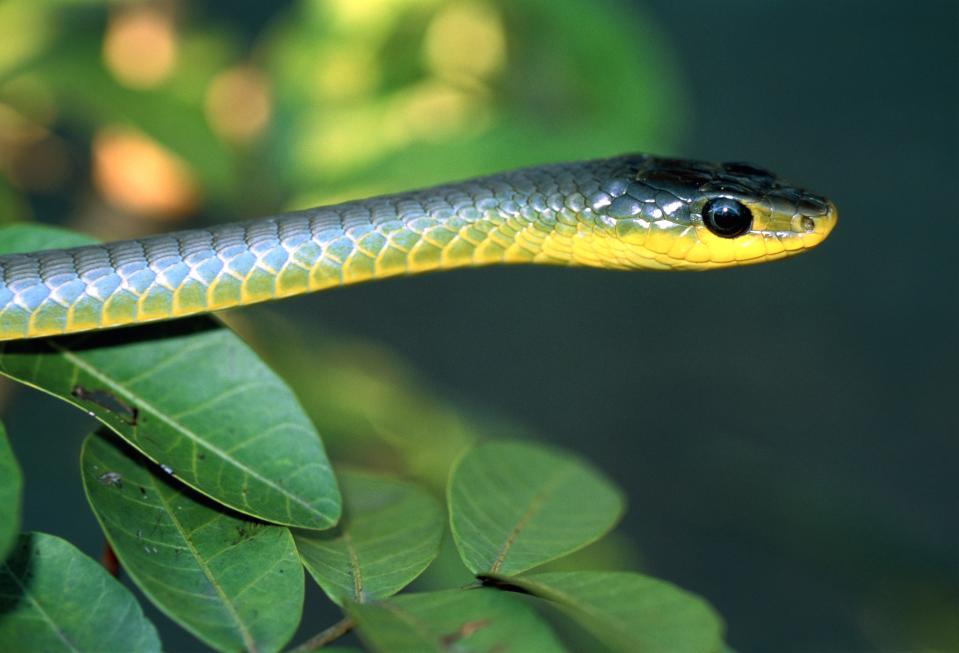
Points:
x=632, y=211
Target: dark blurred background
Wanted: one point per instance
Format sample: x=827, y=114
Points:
x=786, y=434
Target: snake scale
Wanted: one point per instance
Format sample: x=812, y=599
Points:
x=628, y=212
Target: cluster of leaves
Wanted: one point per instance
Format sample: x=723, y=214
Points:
x=214, y=491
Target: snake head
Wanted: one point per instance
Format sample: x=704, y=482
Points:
x=682, y=214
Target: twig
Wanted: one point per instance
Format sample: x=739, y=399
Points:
x=109, y=560
x=331, y=634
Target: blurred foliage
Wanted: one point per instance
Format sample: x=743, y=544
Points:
x=122, y=117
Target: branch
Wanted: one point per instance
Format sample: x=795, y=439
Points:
x=331, y=634
x=109, y=560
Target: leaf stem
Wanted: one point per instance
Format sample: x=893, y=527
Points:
x=109, y=560
x=321, y=639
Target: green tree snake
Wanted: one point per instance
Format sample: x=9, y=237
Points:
x=628, y=212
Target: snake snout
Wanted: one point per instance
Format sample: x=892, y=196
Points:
x=826, y=222
x=814, y=215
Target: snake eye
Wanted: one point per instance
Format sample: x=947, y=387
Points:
x=726, y=217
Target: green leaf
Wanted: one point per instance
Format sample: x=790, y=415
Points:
x=516, y=505
x=234, y=583
x=20, y=237
x=630, y=612
x=194, y=398
x=53, y=598
x=10, y=489
x=390, y=532
x=464, y=621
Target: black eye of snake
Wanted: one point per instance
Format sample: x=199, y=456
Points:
x=726, y=217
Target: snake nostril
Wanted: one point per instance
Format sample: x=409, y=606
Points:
x=807, y=223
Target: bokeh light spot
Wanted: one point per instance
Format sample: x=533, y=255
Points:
x=363, y=14
x=341, y=140
x=138, y=175
x=434, y=111
x=465, y=39
x=140, y=46
x=345, y=73
x=238, y=104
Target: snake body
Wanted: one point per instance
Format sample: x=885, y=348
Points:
x=627, y=212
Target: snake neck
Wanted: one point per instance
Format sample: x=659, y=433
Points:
x=353, y=248
x=540, y=215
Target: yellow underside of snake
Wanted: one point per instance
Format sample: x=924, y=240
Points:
x=627, y=212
